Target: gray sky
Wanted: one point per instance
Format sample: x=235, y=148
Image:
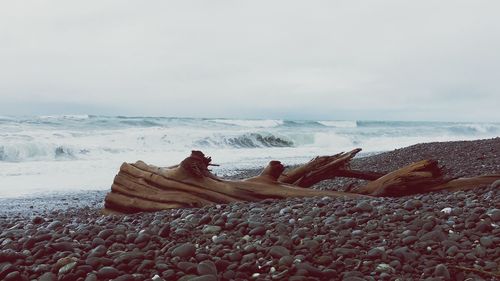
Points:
x=393, y=60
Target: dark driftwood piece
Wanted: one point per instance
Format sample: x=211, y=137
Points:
x=140, y=187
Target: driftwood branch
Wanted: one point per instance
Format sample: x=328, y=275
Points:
x=140, y=187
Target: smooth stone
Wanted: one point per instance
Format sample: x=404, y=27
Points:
x=98, y=251
x=206, y=268
x=324, y=260
x=234, y=257
x=142, y=238
x=346, y=252
x=127, y=257
x=47, y=276
x=480, y=251
x=404, y=254
x=395, y=264
x=67, y=268
x=364, y=206
x=108, y=272
x=348, y=223
x=13, y=276
x=104, y=234
x=486, y=241
x=483, y=227
x=442, y=271
x=97, y=241
x=248, y=258
x=311, y=245
x=209, y=229
x=286, y=261
x=278, y=251
x=187, y=267
x=383, y=267
x=494, y=215
x=91, y=277
x=301, y=232
x=452, y=251
x=63, y=246
x=409, y=240
x=310, y=269
x=259, y=230
x=37, y=220
x=54, y=225
x=229, y=275
x=185, y=250
x=375, y=253
x=412, y=204
x=357, y=232
x=435, y=235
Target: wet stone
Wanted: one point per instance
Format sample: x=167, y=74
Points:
x=37, y=220
x=48, y=276
x=259, y=230
x=486, y=241
x=107, y=272
x=442, y=271
x=207, y=268
x=375, y=253
x=494, y=215
x=142, y=238
x=452, y=251
x=278, y=251
x=54, y=225
x=104, y=234
x=364, y=206
x=186, y=250
x=209, y=229
x=409, y=240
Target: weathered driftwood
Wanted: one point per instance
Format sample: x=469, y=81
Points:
x=140, y=187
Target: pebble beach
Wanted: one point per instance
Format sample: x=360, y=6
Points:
x=434, y=236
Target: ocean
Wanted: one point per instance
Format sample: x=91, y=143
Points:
x=44, y=154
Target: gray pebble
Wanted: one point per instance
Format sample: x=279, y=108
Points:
x=486, y=241
x=185, y=250
x=108, y=272
x=278, y=251
x=442, y=271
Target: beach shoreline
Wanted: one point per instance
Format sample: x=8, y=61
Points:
x=459, y=158
x=64, y=237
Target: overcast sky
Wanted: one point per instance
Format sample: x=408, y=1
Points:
x=391, y=60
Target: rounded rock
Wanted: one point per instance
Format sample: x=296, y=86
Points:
x=206, y=268
x=486, y=241
x=108, y=272
x=278, y=251
x=442, y=271
x=185, y=250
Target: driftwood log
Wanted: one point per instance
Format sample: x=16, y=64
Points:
x=140, y=187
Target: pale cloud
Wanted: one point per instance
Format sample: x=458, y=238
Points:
x=403, y=60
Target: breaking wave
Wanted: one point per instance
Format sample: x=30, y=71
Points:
x=339, y=124
x=251, y=140
x=32, y=152
x=269, y=123
x=90, y=137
